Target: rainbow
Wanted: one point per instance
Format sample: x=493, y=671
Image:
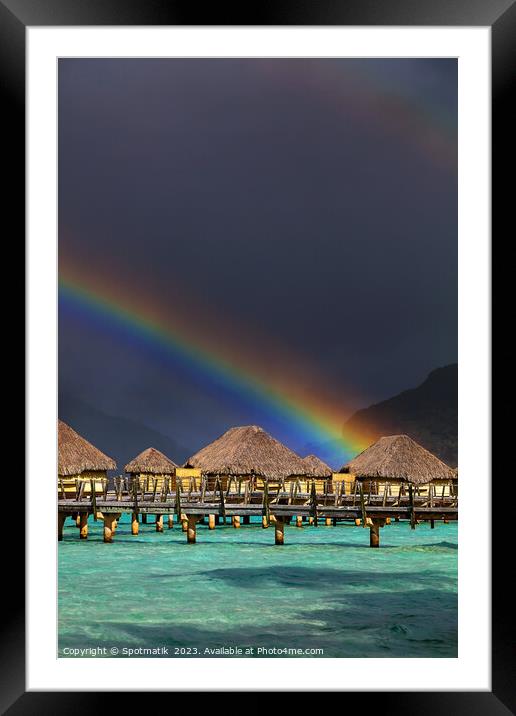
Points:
x=145, y=324
x=379, y=101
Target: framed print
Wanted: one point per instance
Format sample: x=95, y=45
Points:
x=258, y=366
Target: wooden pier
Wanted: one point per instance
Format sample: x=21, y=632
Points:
x=194, y=499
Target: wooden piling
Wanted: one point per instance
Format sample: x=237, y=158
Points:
x=279, y=532
x=177, y=508
x=184, y=522
x=135, y=525
x=358, y=522
x=159, y=523
x=432, y=524
x=108, y=527
x=313, y=503
x=61, y=517
x=387, y=520
x=144, y=518
x=217, y=519
x=265, y=506
x=310, y=520
x=191, y=533
x=299, y=521
x=374, y=535
x=211, y=522
x=236, y=521
x=78, y=519
x=374, y=531
x=412, y=509
x=328, y=522
x=362, y=504
x=83, y=517
x=170, y=522
x=222, y=501
x=246, y=520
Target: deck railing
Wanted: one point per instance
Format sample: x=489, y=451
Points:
x=204, y=490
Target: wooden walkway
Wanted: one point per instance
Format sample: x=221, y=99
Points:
x=194, y=499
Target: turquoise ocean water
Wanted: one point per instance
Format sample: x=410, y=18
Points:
x=324, y=589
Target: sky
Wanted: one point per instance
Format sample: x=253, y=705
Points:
x=267, y=241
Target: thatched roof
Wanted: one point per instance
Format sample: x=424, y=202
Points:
x=316, y=467
x=151, y=461
x=246, y=451
x=398, y=457
x=76, y=454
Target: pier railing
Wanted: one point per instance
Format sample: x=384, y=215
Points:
x=163, y=493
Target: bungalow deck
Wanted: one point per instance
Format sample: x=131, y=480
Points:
x=276, y=505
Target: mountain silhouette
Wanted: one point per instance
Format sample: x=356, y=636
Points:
x=428, y=414
x=120, y=438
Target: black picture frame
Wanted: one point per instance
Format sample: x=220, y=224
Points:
x=500, y=16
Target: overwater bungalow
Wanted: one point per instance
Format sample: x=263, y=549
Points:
x=248, y=452
x=79, y=460
x=319, y=470
x=393, y=462
x=151, y=467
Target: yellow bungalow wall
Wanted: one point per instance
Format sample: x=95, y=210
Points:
x=393, y=487
x=188, y=472
x=184, y=473
x=306, y=483
x=149, y=480
x=69, y=482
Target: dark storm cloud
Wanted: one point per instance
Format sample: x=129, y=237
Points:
x=314, y=202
